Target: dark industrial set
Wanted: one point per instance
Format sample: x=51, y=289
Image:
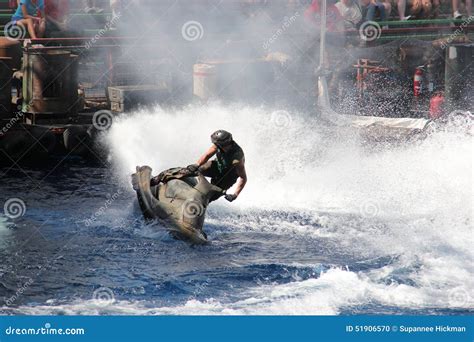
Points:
x=60, y=92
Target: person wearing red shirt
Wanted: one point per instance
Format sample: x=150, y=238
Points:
x=56, y=12
x=334, y=20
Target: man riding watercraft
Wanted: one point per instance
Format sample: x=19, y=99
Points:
x=179, y=196
x=226, y=168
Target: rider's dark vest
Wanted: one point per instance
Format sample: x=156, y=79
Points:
x=226, y=160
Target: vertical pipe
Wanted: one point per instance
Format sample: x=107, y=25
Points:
x=323, y=92
x=323, y=96
x=322, y=46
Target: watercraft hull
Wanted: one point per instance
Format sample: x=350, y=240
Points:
x=180, y=202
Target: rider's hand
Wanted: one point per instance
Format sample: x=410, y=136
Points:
x=230, y=198
x=193, y=168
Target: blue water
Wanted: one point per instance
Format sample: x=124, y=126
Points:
x=370, y=233
x=66, y=260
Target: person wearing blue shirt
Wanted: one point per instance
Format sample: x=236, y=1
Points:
x=26, y=15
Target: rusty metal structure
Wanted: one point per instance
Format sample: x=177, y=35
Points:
x=459, y=75
x=50, y=84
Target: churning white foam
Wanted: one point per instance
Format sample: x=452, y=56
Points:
x=294, y=161
x=333, y=292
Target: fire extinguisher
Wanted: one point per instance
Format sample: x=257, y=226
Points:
x=418, y=81
x=437, y=105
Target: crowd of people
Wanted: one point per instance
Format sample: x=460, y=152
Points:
x=39, y=17
x=349, y=14
x=90, y=6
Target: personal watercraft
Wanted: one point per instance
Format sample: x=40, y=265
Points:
x=178, y=198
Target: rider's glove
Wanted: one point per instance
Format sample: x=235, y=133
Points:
x=193, y=168
x=230, y=198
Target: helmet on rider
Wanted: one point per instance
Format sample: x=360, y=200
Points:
x=221, y=138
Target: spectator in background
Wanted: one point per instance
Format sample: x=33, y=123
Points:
x=56, y=14
x=26, y=15
x=115, y=6
x=351, y=12
x=456, y=13
x=419, y=9
x=251, y=7
x=372, y=8
x=90, y=6
x=402, y=6
x=13, y=4
x=334, y=20
x=436, y=8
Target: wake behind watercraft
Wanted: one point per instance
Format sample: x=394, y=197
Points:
x=179, y=200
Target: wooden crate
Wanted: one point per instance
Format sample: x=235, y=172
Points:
x=133, y=95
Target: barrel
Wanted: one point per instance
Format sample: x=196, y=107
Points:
x=11, y=48
x=50, y=82
x=204, y=81
x=459, y=76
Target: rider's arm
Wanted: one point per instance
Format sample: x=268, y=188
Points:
x=208, y=155
x=242, y=173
